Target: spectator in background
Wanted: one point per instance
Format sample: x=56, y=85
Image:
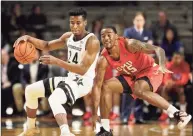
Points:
x=5, y=23
x=97, y=25
x=171, y=42
x=176, y=81
x=9, y=75
x=17, y=19
x=17, y=22
x=6, y=91
x=160, y=26
x=37, y=21
x=139, y=32
x=30, y=73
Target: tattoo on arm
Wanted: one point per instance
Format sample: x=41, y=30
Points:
x=161, y=56
x=138, y=46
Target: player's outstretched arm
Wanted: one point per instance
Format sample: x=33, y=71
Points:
x=134, y=45
x=45, y=45
x=98, y=81
x=92, y=49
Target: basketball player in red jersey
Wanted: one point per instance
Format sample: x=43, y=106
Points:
x=137, y=71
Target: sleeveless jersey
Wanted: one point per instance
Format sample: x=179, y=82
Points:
x=75, y=54
x=129, y=63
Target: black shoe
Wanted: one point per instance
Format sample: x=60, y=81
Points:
x=103, y=132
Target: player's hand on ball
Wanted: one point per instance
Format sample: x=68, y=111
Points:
x=48, y=59
x=163, y=69
x=22, y=38
x=95, y=118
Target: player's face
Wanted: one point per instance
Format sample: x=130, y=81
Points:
x=177, y=59
x=77, y=25
x=139, y=21
x=108, y=38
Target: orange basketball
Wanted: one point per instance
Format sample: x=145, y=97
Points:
x=25, y=52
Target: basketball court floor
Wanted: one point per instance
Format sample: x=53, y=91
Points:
x=48, y=127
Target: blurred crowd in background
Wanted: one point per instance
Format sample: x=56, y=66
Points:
x=28, y=18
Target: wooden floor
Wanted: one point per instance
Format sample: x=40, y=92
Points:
x=48, y=127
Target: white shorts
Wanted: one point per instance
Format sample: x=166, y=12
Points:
x=75, y=86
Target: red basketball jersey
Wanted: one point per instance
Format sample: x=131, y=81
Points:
x=129, y=63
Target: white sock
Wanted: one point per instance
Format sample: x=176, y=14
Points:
x=183, y=107
x=31, y=123
x=64, y=129
x=88, y=109
x=98, y=112
x=105, y=124
x=116, y=110
x=171, y=110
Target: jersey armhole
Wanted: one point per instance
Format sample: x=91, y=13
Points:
x=88, y=39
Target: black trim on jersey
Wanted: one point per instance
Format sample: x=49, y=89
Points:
x=126, y=87
x=147, y=80
x=80, y=39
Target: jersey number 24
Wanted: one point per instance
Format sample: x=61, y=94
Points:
x=73, y=58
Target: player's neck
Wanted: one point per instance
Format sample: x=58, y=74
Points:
x=115, y=51
x=81, y=36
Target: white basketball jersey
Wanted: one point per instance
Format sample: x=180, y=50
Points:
x=75, y=54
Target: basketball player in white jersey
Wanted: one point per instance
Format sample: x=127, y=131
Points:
x=83, y=51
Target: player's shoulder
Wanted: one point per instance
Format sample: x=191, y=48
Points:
x=66, y=35
x=125, y=42
x=93, y=43
x=93, y=40
x=102, y=61
x=122, y=38
x=104, y=52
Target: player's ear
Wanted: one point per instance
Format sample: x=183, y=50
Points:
x=85, y=22
x=116, y=36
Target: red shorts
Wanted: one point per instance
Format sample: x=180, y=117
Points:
x=155, y=79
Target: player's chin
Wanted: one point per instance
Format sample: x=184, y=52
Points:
x=109, y=46
x=76, y=33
